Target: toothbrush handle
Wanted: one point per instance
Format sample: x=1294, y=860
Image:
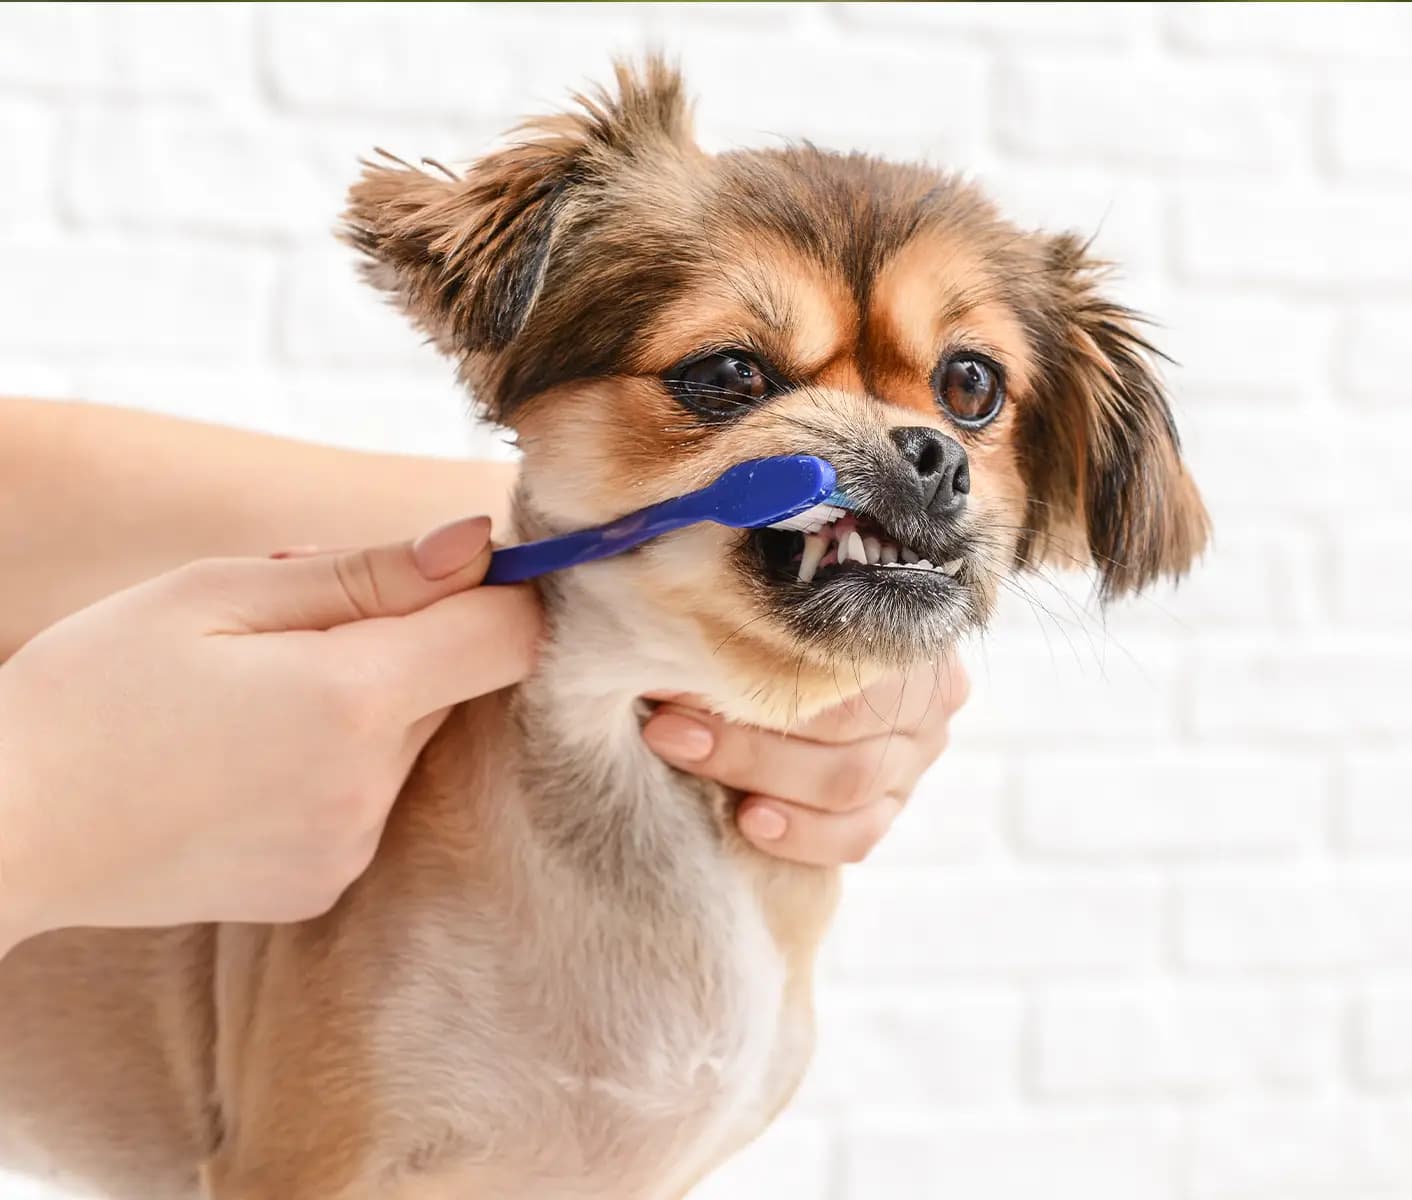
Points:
x=747, y=496
x=514, y=564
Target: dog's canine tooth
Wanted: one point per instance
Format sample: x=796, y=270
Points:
x=909, y=555
x=888, y=553
x=815, y=547
x=853, y=544
x=872, y=550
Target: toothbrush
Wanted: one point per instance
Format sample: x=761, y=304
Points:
x=795, y=492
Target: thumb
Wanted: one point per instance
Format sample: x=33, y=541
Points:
x=323, y=590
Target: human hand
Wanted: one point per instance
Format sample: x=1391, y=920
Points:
x=828, y=791
x=224, y=742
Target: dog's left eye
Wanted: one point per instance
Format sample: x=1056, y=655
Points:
x=721, y=383
x=971, y=388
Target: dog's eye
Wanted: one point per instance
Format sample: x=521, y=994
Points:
x=721, y=383
x=970, y=388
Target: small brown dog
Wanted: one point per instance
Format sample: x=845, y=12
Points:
x=565, y=974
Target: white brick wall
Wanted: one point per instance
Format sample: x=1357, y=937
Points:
x=1146, y=933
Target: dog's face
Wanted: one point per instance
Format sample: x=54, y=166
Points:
x=645, y=315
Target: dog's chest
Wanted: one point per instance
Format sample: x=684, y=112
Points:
x=617, y=1030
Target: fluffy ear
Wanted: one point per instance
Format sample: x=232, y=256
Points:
x=467, y=256
x=1103, y=448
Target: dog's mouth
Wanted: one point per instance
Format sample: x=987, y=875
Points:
x=855, y=544
x=852, y=542
x=887, y=581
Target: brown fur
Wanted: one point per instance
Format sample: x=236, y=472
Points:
x=565, y=972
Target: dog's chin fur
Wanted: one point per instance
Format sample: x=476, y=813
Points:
x=565, y=973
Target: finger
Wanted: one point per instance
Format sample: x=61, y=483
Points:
x=806, y=835
x=905, y=703
x=320, y=591
x=921, y=700
x=817, y=774
x=431, y=549
x=460, y=647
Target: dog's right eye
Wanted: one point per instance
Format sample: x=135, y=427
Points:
x=722, y=383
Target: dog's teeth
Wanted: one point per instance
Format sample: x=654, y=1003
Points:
x=909, y=555
x=872, y=548
x=950, y=568
x=853, y=548
x=815, y=547
x=925, y=565
x=889, y=554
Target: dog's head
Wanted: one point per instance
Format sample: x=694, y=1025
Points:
x=645, y=315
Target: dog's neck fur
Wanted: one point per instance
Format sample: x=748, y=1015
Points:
x=594, y=788
x=604, y=651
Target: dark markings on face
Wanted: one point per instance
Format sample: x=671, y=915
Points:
x=609, y=276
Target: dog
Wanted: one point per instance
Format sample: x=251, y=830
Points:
x=565, y=974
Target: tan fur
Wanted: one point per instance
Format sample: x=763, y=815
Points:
x=566, y=974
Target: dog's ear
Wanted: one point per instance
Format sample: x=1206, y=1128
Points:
x=467, y=255
x=1101, y=447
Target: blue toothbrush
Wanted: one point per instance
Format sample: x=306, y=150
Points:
x=782, y=492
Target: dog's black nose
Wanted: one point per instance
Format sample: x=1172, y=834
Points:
x=939, y=463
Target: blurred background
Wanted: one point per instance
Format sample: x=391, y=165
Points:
x=1146, y=932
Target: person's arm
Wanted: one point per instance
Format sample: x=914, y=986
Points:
x=95, y=499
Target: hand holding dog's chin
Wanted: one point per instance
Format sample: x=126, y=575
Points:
x=828, y=791
x=225, y=742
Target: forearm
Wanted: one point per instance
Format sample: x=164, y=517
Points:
x=93, y=499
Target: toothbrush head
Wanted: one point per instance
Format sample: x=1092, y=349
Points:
x=814, y=518
x=796, y=491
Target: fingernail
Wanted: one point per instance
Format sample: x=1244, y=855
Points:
x=448, y=548
x=675, y=736
x=763, y=822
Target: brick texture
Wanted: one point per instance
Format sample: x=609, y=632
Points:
x=1145, y=933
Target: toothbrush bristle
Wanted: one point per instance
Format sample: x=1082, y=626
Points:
x=811, y=520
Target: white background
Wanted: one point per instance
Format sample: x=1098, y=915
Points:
x=1146, y=933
